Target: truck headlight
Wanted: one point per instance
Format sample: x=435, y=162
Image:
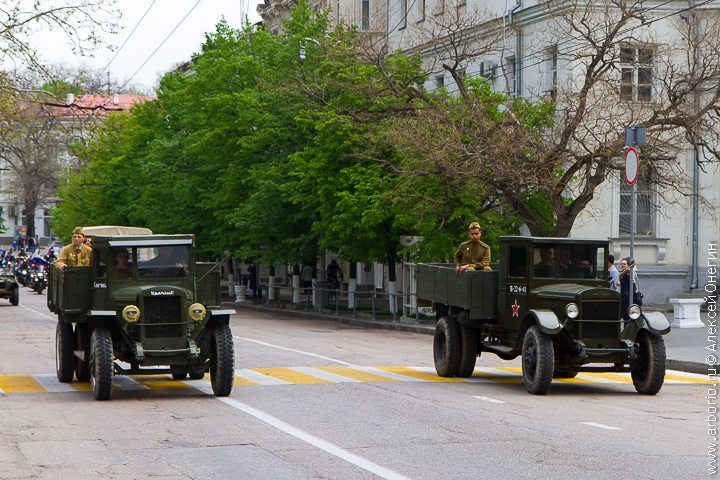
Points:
x=131, y=314
x=571, y=310
x=634, y=312
x=197, y=311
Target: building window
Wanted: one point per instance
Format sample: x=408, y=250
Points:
x=422, y=6
x=552, y=69
x=637, y=73
x=510, y=74
x=365, y=20
x=644, y=211
x=439, y=82
x=404, y=13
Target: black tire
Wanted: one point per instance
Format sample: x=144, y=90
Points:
x=197, y=372
x=101, y=363
x=538, y=360
x=64, y=346
x=648, y=370
x=222, y=361
x=82, y=367
x=15, y=298
x=468, y=350
x=447, y=347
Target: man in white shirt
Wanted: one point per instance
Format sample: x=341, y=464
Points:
x=614, y=275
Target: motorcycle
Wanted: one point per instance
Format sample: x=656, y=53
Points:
x=38, y=281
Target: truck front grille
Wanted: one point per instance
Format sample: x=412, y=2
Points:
x=161, y=317
x=591, y=330
x=600, y=310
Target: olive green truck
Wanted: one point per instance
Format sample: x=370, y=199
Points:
x=548, y=301
x=157, y=312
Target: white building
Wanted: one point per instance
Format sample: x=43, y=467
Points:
x=527, y=48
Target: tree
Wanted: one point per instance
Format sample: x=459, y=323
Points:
x=32, y=139
x=544, y=164
x=84, y=24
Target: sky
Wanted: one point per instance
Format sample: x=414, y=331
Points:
x=159, y=21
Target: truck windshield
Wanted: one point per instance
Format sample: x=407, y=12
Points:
x=570, y=261
x=170, y=261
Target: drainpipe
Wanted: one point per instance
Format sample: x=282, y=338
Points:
x=518, y=49
x=696, y=170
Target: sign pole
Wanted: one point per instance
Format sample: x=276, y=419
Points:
x=634, y=135
x=633, y=219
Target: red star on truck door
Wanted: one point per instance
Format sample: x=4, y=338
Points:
x=516, y=308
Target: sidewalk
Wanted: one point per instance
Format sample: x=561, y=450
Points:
x=686, y=348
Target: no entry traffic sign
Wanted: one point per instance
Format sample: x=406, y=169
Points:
x=632, y=165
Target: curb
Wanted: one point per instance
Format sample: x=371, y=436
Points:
x=670, y=364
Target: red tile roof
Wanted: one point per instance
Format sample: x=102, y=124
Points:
x=96, y=105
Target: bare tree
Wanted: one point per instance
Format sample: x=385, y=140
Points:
x=83, y=22
x=620, y=74
x=33, y=140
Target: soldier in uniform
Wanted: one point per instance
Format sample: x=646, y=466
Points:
x=473, y=254
x=75, y=254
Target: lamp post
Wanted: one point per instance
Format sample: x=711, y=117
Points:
x=303, y=45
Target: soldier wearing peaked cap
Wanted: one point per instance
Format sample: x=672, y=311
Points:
x=473, y=254
x=75, y=254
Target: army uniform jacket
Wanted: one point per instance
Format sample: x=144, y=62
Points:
x=73, y=256
x=473, y=253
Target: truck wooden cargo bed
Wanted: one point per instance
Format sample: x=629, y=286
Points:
x=473, y=291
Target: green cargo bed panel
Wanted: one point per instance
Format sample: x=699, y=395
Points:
x=474, y=291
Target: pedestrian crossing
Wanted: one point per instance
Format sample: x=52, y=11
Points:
x=261, y=377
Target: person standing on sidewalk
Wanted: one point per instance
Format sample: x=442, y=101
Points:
x=614, y=274
x=628, y=284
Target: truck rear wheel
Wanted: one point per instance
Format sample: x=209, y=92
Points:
x=648, y=370
x=64, y=346
x=222, y=361
x=101, y=363
x=82, y=369
x=538, y=361
x=15, y=298
x=468, y=349
x=447, y=347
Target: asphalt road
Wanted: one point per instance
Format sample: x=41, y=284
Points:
x=318, y=400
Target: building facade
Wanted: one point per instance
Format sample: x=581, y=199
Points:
x=535, y=49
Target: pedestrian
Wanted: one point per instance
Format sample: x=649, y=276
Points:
x=628, y=284
x=75, y=254
x=614, y=274
x=473, y=254
x=306, y=276
x=252, y=276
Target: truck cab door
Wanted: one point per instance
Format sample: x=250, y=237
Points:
x=513, y=285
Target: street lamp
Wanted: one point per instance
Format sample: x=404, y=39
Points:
x=303, y=44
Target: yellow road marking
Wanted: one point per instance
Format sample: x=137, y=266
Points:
x=428, y=377
x=20, y=384
x=240, y=382
x=288, y=375
x=609, y=376
x=157, y=381
x=358, y=375
x=81, y=386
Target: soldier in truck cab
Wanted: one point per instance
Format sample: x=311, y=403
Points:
x=473, y=254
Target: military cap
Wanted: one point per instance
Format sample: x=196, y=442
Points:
x=78, y=230
x=474, y=225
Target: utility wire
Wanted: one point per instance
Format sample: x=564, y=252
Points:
x=160, y=46
x=128, y=38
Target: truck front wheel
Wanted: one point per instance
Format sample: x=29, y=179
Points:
x=648, y=370
x=447, y=347
x=101, y=363
x=222, y=361
x=538, y=361
x=64, y=346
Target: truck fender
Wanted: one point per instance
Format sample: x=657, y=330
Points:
x=655, y=322
x=547, y=321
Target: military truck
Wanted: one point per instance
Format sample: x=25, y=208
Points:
x=548, y=300
x=9, y=287
x=144, y=306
